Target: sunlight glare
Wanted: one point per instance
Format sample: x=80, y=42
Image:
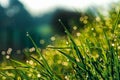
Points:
x=37, y=7
x=4, y=3
x=40, y=6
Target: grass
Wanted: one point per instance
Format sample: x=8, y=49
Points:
x=92, y=53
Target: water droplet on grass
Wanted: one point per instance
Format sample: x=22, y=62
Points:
x=3, y=53
x=7, y=57
x=74, y=28
x=92, y=29
x=78, y=34
x=27, y=34
x=67, y=43
x=113, y=44
x=66, y=77
x=52, y=38
x=59, y=20
x=38, y=75
x=42, y=41
x=119, y=47
x=31, y=62
x=27, y=61
x=9, y=50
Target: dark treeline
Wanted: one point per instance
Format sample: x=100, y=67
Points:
x=14, y=22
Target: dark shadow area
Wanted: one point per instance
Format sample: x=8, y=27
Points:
x=68, y=18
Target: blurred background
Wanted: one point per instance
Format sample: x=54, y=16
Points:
x=40, y=19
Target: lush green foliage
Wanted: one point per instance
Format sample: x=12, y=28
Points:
x=92, y=53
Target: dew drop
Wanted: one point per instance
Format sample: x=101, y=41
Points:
x=3, y=52
x=52, y=38
x=119, y=47
x=59, y=20
x=78, y=34
x=27, y=34
x=38, y=75
x=67, y=43
x=92, y=29
x=113, y=44
x=74, y=28
x=9, y=50
x=7, y=57
x=42, y=41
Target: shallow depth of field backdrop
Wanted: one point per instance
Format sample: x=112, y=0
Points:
x=59, y=40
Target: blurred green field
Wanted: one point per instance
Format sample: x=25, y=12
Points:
x=91, y=53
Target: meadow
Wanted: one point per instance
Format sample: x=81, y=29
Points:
x=90, y=53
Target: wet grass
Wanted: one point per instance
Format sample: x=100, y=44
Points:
x=89, y=54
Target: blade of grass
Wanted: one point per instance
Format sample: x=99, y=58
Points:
x=72, y=60
x=116, y=22
x=74, y=44
x=37, y=50
x=20, y=63
x=8, y=77
x=77, y=50
x=53, y=76
x=23, y=75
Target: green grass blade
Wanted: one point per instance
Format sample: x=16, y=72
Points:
x=73, y=42
x=38, y=61
x=43, y=59
x=37, y=50
x=116, y=22
x=5, y=75
x=73, y=60
x=20, y=63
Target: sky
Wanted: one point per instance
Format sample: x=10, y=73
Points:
x=37, y=7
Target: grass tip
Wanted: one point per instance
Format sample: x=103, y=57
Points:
x=27, y=33
x=59, y=20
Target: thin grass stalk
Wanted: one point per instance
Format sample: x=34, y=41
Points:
x=53, y=76
x=77, y=51
x=116, y=22
x=8, y=77
x=37, y=50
